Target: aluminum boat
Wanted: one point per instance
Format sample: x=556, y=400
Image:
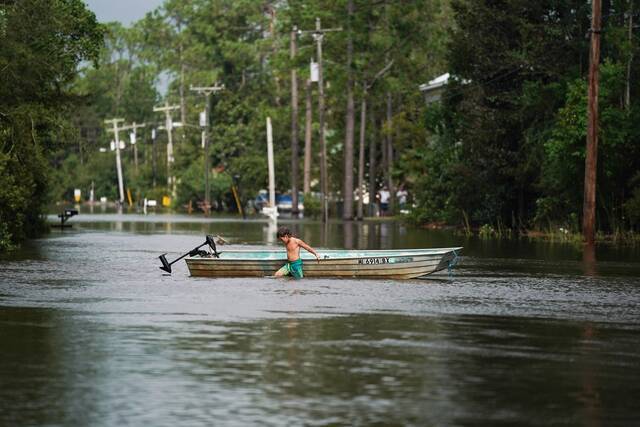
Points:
x=388, y=264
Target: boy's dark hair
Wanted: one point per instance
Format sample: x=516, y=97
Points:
x=283, y=231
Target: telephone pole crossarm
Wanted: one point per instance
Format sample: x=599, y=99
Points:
x=320, y=32
x=133, y=126
x=207, y=90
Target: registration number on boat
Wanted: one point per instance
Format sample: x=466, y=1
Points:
x=384, y=260
x=367, y=261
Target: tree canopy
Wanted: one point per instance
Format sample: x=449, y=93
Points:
x=509, y=142
x=504, y=146
x=42, y=44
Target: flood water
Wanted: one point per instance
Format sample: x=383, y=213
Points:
x=523, y=333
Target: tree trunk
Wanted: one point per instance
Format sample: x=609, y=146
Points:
x=80, y=146
x=385, y=153
x=307, y=139
x=347, y=212
x=627, y=93
x=183, y=103
x=390, y=153
x=363, y=127
x=294, y=128
x=372, y=165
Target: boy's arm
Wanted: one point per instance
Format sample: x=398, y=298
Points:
x=308, y=249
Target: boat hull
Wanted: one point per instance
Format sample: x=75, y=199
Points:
x=375, y=264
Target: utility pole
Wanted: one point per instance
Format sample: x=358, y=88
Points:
x=116, y=130
x=132, y=139
x=347, y=189
x=206, y=91
x=271, y=210
x=591, y=160
x=171, y=180
x=318, y=36
x=294, y=125
x=307, y=139
x=154, y=164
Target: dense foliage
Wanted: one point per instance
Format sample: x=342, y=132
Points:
x=42, y=44
x=509, y=142
x=244, y=45
x=504, y=146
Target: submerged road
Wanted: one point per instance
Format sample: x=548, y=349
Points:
x=92, y=333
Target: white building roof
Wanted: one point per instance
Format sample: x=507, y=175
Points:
x=436, y=83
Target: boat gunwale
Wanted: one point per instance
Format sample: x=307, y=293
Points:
x=410, y=252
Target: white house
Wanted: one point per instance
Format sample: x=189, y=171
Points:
x=433, y=90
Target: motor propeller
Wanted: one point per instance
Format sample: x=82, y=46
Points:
x=209, y=240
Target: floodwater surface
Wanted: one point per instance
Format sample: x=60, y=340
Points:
x=523, y=333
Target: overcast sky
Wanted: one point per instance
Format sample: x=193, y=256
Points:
x=125, y=11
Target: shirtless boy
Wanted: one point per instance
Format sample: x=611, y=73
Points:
x=294, y=265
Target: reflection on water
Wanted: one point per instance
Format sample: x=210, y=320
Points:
x=348, y=235
x=92, y=334
x=589, y=259
x=269, y=232
x=71, y=368
x=372, y=234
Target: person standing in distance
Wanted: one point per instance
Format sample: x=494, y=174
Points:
x=384, y=195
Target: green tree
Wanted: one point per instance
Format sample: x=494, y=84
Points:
x=244, y=45
x=43, y=42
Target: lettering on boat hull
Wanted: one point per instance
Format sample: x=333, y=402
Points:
x=369, y=261
x=384, y=260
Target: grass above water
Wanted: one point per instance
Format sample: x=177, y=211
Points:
x=550, y=234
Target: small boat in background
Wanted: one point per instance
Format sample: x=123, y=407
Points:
x=382, y=264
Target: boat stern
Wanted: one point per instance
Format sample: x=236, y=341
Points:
x=449, y=260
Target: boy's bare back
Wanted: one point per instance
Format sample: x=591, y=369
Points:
x=293, y=245
x=293, y=248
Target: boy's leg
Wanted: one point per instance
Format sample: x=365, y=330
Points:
x=283, y=271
